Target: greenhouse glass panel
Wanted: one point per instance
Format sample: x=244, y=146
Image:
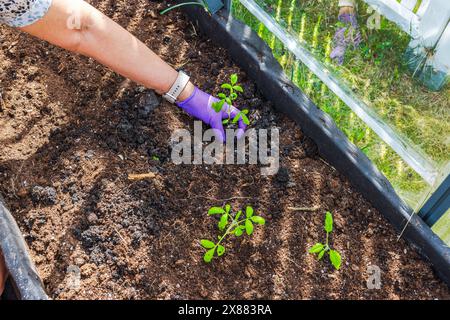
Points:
x=375, y=97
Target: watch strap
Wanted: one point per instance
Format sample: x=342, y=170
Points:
x=178, y=87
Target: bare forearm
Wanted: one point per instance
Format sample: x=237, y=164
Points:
x=77, y=26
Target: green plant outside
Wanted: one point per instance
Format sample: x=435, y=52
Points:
x=375, y=70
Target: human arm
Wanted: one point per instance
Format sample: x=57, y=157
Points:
x=77, y=26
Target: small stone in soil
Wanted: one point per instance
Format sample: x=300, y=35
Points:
x=112, y=143
x=140, y=139
x=124, y=127
x=74, y=198
x=92, y=218
x=152, y=14
x=283, y=175
x=79, y=261
x=89, y=155
x=44, y=195
x=148, y=102
x=91, y=236
x=255, y=102
x=310, y=147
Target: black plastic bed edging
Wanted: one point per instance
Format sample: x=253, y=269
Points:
x=253, y=55
x=24, y=282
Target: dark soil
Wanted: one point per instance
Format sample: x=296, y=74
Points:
x=71, y=132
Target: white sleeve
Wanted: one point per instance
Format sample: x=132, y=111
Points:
x=21, y=13
x=347, y=3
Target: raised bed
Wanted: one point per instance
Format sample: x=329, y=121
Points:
x=80, y=129
x=24, y=282
x=255, y=57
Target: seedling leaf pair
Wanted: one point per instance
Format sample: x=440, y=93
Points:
x=229, y=224
x=232, y=95
x=321, y=249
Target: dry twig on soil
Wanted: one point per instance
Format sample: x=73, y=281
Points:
x=141, y=176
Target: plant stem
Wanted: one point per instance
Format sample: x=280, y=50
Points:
x=238, y=223
x=228, y=230
x=182, y=4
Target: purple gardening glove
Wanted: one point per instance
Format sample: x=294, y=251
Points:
x=199, y=104
x=345, y=36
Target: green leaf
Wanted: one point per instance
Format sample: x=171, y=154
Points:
x=258, y=220
x=220, y=104
x=225, y=121
x=321, y=253
x=223, y=221
x=207, y=244
x=228, y=100
x=226, y=86
x=233, y=96
x=227, y=208
x=238, y=215
x=316, y=248
x=209, y=255
x=216, y=210
x=217, y=106
x=220, y=250
x=335, y=259
x=237, y=117
x=245, y=111
x=238, y=232
x=249, y=211
x=238, y=88
x=234, y=78
x=245, y=119
x=248, y=227
x=328, y=222
x=222, y=95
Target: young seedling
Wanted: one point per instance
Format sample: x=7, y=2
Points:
x=321, y=249
x=233, y=89
x=230, y=224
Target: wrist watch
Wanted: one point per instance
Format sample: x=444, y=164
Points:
x=177, y=88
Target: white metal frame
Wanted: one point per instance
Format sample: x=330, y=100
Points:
x=429, y=28
x=426, y=25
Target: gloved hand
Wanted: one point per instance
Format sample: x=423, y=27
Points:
x=345, y=36
x=199, y=106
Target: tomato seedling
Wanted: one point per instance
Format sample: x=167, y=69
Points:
x=233, y=89
x=321, y=249
x=229, y=224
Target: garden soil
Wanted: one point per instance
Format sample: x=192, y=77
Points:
x=72, y=131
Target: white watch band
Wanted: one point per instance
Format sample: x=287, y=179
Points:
x=177, y=87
